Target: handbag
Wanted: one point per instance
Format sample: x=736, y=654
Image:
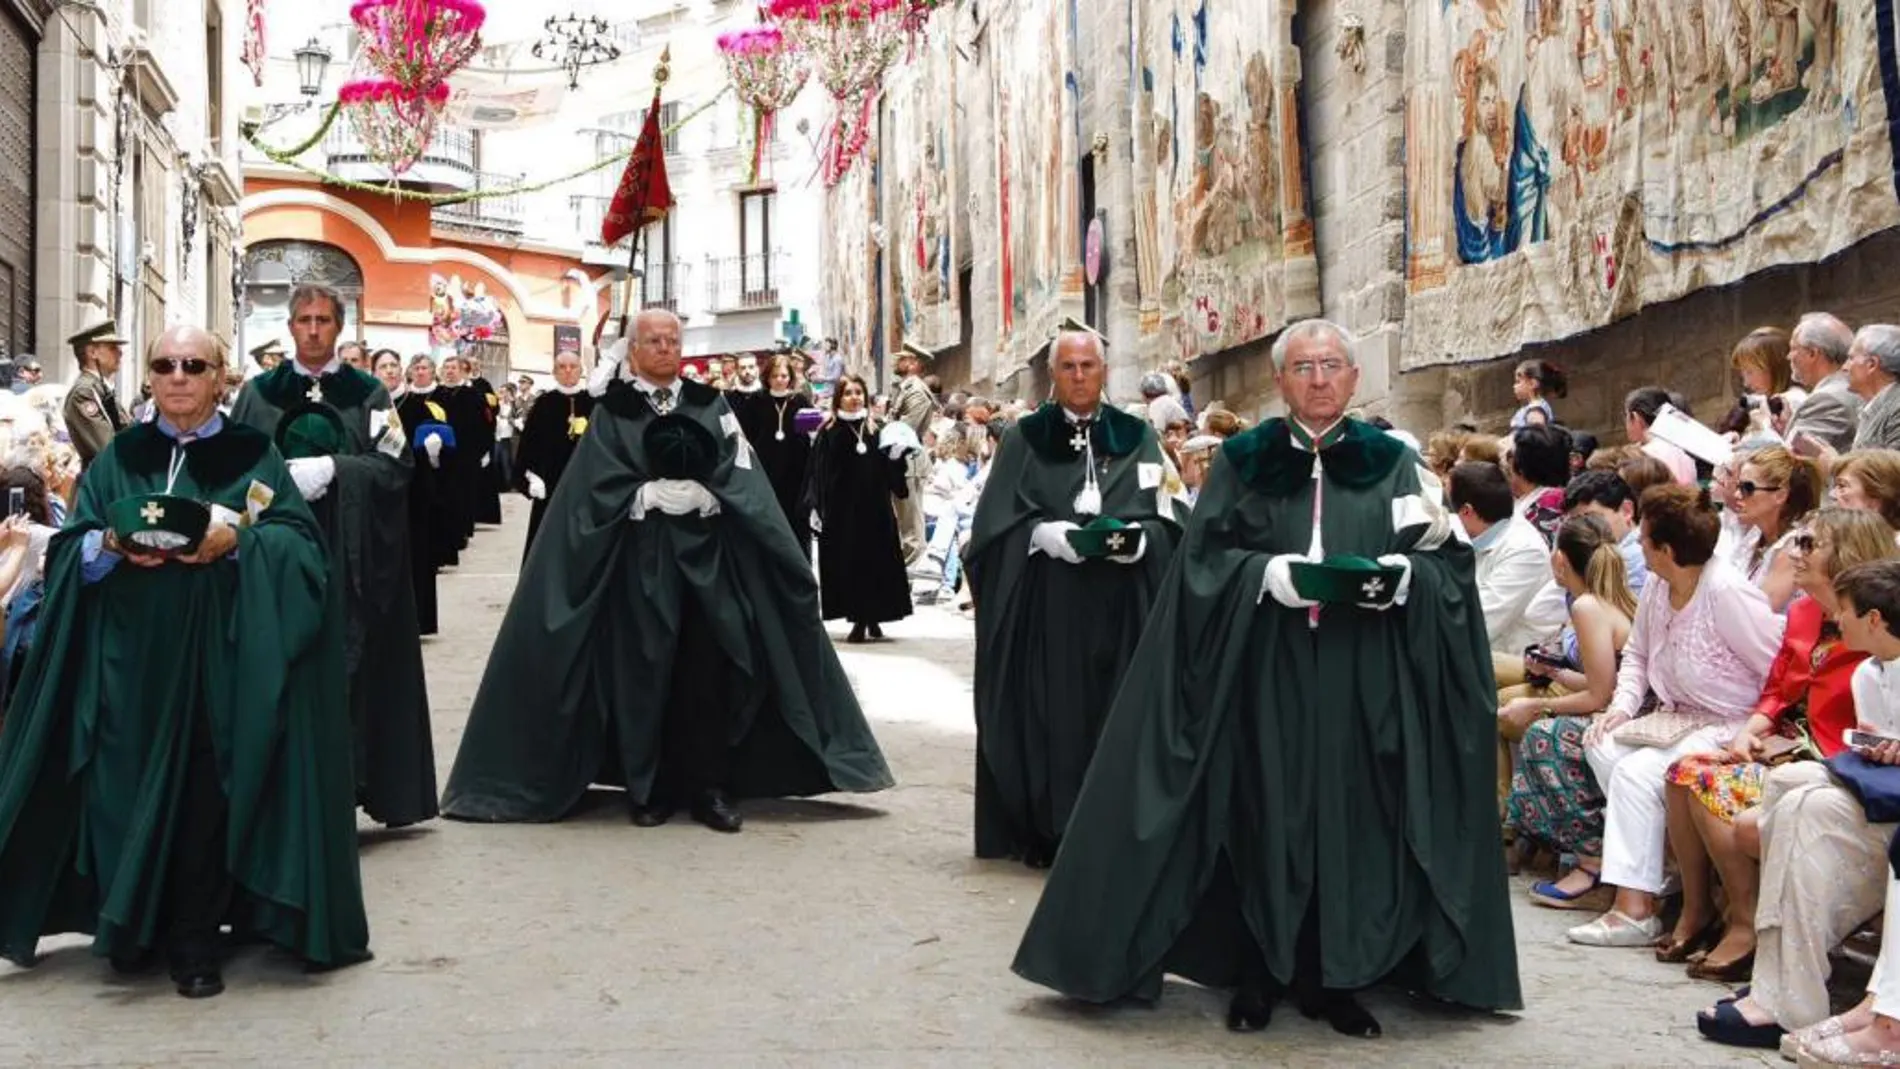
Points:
x=1662, y=729
x=1876, y=786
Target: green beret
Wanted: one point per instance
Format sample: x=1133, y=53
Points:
x=679, y=447
x=1346, y=580
x=159, y=523
x=312, y=429
x=1106, y=536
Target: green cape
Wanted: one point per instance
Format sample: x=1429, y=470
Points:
x=365, y=521
x=98, y=735
x=1053, y=638
x=1348, y=769
x=591, y=630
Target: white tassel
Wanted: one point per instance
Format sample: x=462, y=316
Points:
x=1089, y=501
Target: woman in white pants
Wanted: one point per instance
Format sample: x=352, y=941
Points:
x=1702, y=643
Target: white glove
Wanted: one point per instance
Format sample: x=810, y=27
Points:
x=1278, y=581
x=432, y=445
x=897, y=451
x=485, y=459
x=312, y=475
x=1394, y=560
x=675, y=497
x=537, y=489
x=1048, y=539
x=817, y=524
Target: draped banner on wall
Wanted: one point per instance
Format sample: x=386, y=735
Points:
x=1570, y=162
x=849, y=265
x=1037, y=236
x=1223, y=236
x=921, y=199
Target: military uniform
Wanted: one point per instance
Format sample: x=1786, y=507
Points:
x=914, y=407
x=92, y=411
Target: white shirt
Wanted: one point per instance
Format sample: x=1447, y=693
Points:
x=1876, y=686
x=1513, y=569
x=328, y=368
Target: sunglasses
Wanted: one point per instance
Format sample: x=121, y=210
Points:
x=1749, y=488
x=193, y=365
x=1805, y=541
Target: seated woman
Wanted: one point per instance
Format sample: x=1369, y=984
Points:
x=1553, y=801
x=1712, y=798
x=1703, y=640
x=1774, y=491
x=1825, y=869
x=1869, y=479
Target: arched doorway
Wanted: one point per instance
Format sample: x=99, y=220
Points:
x=273, y=268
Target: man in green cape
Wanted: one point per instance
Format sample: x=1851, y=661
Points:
x=347, y=449
x=1055, y=629
x=1294, y=788
x=176, y=755
x=664, y=635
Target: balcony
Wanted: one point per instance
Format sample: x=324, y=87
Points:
x=588, y=211
x=448, y=166
x=663, y=283
x=486, y=216
x=744, y=283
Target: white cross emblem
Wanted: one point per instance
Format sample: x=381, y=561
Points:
x=1372, y=588
x=152, y=513
x=316, y=392
x=1080, y=440
x=1115, y=542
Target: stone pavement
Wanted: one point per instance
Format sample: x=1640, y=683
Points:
x=839, y=932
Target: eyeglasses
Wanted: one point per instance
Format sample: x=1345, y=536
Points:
x=1749, y=488
x=1325, y=369
x=1805, y=541
x=193, y=365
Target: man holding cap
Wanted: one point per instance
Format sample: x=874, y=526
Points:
x=913, y=405
x=92, y=410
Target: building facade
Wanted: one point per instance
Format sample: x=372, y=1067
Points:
x=118, y=125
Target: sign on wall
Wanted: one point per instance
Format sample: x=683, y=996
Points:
x=1570, y=163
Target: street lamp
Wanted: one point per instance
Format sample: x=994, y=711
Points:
x=313, y=60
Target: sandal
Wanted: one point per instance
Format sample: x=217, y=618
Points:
x=1726, y=1025
x=1547, y=893
x=1675, y=952
x=1617, y=929
x=1835, y=1052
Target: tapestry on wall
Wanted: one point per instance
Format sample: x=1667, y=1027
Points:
x=920, y=168
x=1036, y=239
x=1570, y=162
x=847, y=278
x=1223, y=238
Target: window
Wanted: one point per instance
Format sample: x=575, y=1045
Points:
x=669, y=117
x=756, y=211
x=142, y=14
x=658, y=286
x=149, y=181
x=219, y=312
x=214, y=80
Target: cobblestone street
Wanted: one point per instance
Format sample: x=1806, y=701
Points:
x=829, y=932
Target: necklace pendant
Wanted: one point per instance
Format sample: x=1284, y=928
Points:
x=780, y=436
x=316, y=392
x=862, y=449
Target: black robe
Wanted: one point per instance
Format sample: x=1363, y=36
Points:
x=433, y=541
x=576, y=688
x=1053, y=638
x=860, y=563
x=462, y=468
x=365, y=520
x=488, y=481
x=548, y=440
x=770, y=424
x=1267, y=776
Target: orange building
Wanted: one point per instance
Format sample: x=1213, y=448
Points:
x=387, y=257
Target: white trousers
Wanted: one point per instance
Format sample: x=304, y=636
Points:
x=1885, y=984
x=1635, y=827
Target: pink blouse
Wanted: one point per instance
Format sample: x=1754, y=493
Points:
x=1712, y=655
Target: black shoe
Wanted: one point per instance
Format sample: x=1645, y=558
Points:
x=199, y=983
x=874, y=632
x=1341, y=1010
x=1250, y=1011
x=857, y=634
x=1039, y=854
x=713, y=810
x=652, y=815
x=1727, y=1026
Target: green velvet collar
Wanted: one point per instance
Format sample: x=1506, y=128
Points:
x=1277, y=456
x=284, y=387
x=213, y=462
x=622, y=399
x=1114, y=433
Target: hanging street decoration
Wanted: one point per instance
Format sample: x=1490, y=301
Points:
x=418, y=43
x=252, y=54
x=767, y=70
x=574, y=42
x=394, y=123
x=851, y=44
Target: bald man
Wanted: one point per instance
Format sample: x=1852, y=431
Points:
x=667, y=589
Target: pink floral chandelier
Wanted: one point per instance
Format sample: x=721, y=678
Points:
x=409, y=50
x=851, y=43
x=767, y=70
x=394, y=123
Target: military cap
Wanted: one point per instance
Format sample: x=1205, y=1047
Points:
x=920, y=353
x=270, y=348
x=159, y=523
x=104, y=333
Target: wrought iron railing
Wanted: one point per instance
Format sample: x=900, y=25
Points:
x=738, y=283
x=451, y=146
x=490, y=210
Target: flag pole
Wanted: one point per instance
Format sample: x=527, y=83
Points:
x=661, y=72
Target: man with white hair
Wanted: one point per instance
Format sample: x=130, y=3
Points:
x=1817, y=348
x=1294, y=792
x=673, y=645
x=1055, y=625
x=1873, y=367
